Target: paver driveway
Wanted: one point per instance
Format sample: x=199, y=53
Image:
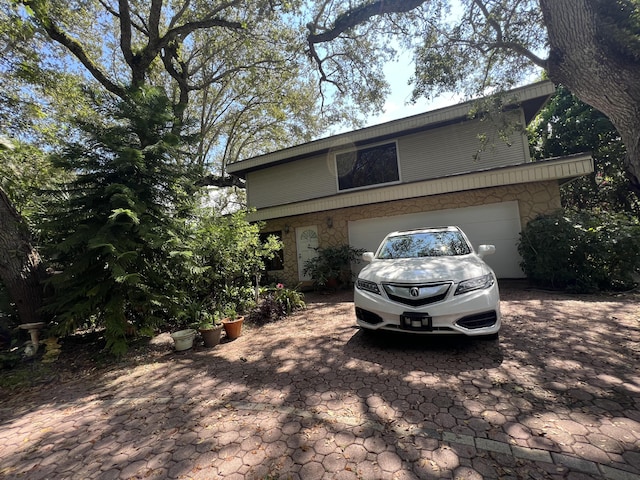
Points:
x=313, y=398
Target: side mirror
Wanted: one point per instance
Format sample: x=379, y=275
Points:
x=367, y=256
x=486, y=250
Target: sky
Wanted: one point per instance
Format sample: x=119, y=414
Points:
x=396, y=106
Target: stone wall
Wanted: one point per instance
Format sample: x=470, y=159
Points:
x=533, y=199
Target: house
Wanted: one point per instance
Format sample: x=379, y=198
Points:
x=437, y=168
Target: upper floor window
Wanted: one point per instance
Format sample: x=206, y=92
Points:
x=367, y=166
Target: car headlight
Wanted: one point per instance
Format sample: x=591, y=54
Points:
x=478, y=283
x=368, y=286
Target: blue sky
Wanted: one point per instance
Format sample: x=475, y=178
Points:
x=398, y=74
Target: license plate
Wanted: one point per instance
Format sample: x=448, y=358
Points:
x=416, y=321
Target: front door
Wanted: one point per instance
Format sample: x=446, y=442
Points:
x=306, y=244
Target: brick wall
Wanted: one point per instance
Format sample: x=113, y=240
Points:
x=533, y=199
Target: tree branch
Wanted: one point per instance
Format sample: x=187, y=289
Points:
x=155, y=12
x=141, y=28
x=217, y=181
x=501, y=44
x=75, y=48
x=125, y=32
x=358, y=16
x=518, y=48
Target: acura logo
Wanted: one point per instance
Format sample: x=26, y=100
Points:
x=414, y=292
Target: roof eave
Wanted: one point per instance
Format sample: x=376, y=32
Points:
x=531, y=97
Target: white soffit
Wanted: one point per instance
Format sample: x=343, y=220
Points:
x=572, y=167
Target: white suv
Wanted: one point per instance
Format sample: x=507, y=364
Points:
x=428, y=281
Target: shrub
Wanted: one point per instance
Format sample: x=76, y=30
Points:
x=227, y=253
x=277, y=302
x=332, y=263
x=581, y=251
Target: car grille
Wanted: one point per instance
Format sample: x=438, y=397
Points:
x=481, y=320
x=416, y=295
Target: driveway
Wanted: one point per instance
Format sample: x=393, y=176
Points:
x=311, y=397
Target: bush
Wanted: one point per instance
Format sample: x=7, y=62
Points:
x=581, y=251
x=332, y=263
x=227, y=254
x=277, y=302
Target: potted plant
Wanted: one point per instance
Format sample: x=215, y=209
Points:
x=210, y=327
x=232, y=322
x=331, y=268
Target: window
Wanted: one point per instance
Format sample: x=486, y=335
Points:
x=425, y=244
x=277, y=262
x=368, y=166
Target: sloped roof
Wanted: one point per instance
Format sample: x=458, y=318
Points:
x=530, y=98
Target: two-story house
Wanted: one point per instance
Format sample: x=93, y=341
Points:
x=437, y=168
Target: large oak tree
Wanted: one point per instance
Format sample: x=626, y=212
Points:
x=590, y=46
x=232, y=69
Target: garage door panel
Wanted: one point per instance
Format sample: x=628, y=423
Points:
x=496, y=224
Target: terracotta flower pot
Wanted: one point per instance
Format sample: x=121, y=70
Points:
x=211, y=336
x=233, y=328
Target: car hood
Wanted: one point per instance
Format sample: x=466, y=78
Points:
x=425, y=269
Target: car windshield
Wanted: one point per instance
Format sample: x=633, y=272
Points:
x=424, y=244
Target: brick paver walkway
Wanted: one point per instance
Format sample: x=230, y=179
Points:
x=313, y=398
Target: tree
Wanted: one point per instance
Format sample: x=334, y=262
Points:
x=228, y=64
x=36, y=101
x=224, y=63
x=567, y=126
x=21, y=268
x=117, y=233
x=592, y=47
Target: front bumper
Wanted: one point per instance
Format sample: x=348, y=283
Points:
x=474, y=313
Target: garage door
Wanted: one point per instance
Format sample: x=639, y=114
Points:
x=495, y=224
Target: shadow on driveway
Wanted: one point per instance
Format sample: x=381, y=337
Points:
x=312, y=397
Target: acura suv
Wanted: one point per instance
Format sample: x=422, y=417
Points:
x=428, y=281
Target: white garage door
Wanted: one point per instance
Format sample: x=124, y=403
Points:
x=494, y=224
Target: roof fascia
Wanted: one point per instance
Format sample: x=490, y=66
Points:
x=532, y=97
x=571, y=166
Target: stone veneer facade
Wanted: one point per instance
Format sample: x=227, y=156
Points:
x=533, y=199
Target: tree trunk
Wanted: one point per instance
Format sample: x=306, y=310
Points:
x=21, y=269
x=599, y=76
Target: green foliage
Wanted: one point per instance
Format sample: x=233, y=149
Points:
x=567, y=126
x=458, y=52
x=195, y=313
x=581, y=251
x=25, y=172
x=620, y=27
x=118, y=234
x=289, y=299
x=277, y=302
x=332, y=263
x=226, y=256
